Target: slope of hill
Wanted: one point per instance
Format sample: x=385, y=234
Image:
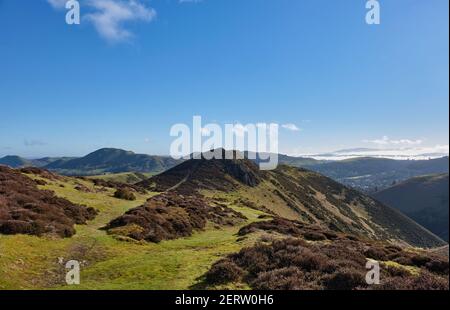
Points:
x=123, y=177
x=109, y=160
x=373, y=174
x=42, y=162
x=293, y=193
x=424, y=199
x=15, y=161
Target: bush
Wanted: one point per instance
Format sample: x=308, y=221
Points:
x=124, y=193
x=376, y=253
x=291, y=278
x=224, y=271
x=425, y=281
x=314, y=236
x=12, y=227
x=345, y=279
x=438, y=266
x=420, y=260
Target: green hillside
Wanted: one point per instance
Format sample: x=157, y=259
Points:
x=109, y=160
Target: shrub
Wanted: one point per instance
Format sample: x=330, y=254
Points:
x=438, y=266
x=425, y=281
x=376, y=253
x=291, y=278
x=12, y=227
x=40, y=182
x=314, y=236
x=124, y=193
x=223, y=271
x=420, y=260
x=345, y=279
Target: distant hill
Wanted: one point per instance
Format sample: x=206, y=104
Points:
x=110, y=160
x=373, y=174
x=293, y=193
x=424, y=199
x=14, y=161
x=285, y=159
x=42, y=162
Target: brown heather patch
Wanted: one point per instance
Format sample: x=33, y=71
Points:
x=333, y=262
x=170, y=216
x=25, y=209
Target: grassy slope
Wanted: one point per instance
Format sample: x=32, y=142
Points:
x=28, y=262
x=124, y=177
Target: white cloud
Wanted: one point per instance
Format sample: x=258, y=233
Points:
x=386, y=141
x=57, y=4
x=291, y=127
x=33, y=142
x=413, y=153
x=110, y=16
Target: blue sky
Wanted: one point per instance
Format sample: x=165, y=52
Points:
x=122, y=79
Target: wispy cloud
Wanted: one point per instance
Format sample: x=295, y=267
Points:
x=109, y=17
x=57, y=4
x=291, y=127
x=385, y=140
x=33, y=142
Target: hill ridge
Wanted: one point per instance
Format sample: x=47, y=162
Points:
x=294, y=193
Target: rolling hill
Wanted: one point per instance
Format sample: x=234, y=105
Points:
x=424, y=199
x=293, y=193
x=109, y=160
x=15, y=161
